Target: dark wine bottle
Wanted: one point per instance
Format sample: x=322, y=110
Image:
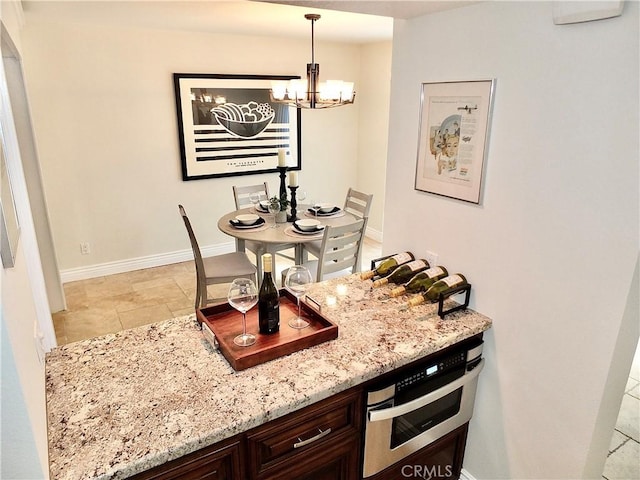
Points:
x=388, y=265
x=421, y=281
x=443, y=286
x=268, y=300
x=403, y=273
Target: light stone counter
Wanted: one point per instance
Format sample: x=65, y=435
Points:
x=123, y=403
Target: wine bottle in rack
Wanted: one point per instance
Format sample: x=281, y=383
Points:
x=421, y=281
x=443, y=286
x=388, y=265
x=403, y=273
x=268, y=300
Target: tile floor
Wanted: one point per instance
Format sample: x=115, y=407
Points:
x=109, y=304
x=623, y=461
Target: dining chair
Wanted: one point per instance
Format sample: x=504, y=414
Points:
x=356, y=203
x=340, y=250
x=216, y=269
x=241, y=195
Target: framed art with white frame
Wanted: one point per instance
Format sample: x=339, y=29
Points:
x=453, y=138
x=228, y=126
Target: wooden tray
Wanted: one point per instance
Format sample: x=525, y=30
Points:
x=226, y=323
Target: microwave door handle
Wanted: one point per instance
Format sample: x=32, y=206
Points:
x=387, y=413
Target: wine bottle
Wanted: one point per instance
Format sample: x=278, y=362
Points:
x=403, y=273
x=388, y=265
x=268, y=300
x=421, y=281
x=443, y=286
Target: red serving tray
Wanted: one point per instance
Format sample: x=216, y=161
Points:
x=226, y=323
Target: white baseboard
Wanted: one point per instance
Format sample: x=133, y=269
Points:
x=373, y=234
x=464, y=475
x=121, y=266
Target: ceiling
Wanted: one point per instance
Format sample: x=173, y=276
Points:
x=351, y=21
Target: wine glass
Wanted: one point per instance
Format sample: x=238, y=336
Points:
x=242, y=296
x=297, y=281
x=274, y=207
x=315, y=206
x=254, y=198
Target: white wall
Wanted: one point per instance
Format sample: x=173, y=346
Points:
x=552, y=248
x=105, y=122
x=22, y=300
x=373, y=129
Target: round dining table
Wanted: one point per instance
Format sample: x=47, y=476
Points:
x=272, y=239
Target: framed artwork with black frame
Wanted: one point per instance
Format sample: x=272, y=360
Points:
x=227, y=125
x=453, y=138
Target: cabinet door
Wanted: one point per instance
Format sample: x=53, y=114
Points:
x=438, y=461
x=338, y=461
x=306, y=435
x=217, y=462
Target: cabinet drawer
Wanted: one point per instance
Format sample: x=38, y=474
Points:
x=302, y=432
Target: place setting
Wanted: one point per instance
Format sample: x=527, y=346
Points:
x=248, y=221
x=306, y=227
x=317, y=210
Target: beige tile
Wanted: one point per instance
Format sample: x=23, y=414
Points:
x=107, y=287
x=181, y=304
x=73, y=288
x=90, y=323
x=183, y=311
x=629, y=417
x=617, y=439
x=145, y=316
x=152, y=283
x=623, y=463
x=165, y=293
x=58, y=327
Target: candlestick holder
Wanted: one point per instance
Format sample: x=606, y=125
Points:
x=283, y=188
x=293, y=217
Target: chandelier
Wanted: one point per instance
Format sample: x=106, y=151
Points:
x=312, y=93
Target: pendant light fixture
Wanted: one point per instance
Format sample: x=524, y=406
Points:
x=312, y=93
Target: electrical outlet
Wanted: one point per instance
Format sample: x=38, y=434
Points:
x=432, y=258
x=85, y=248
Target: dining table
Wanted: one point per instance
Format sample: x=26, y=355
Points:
x=272, y=238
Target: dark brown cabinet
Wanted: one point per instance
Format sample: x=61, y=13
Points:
x=438, y=461
x=317, y=442
x=222, y=461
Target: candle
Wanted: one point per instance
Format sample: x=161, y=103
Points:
x=293, y=179
x=282, y=158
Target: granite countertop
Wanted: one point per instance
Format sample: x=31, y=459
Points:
x=122, y=403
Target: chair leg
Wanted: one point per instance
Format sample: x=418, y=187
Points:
x=197, y=295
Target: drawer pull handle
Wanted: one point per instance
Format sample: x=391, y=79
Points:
x=302, y=443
